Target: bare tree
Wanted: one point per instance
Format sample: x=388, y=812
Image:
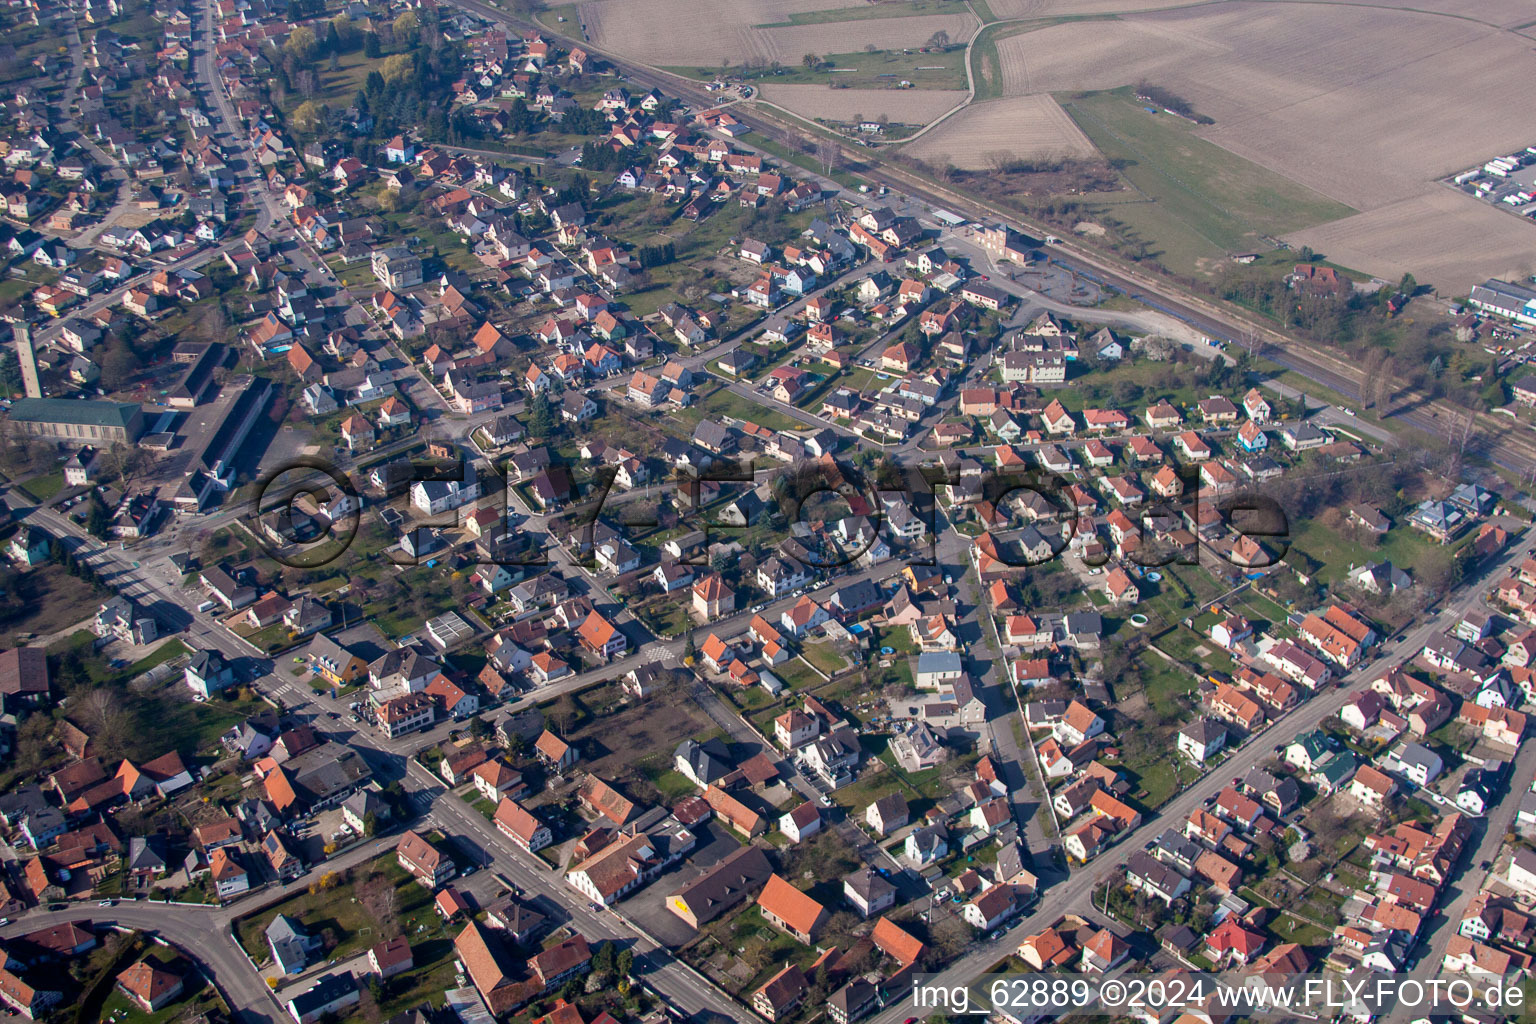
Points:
x=380, y=898
x=1253, y=342
x=1462, y=430
x=1370, y=368
x=105, y=715
x=368, y=1003
x=1382, y=384
x=214, y=324
x=829, y=155
x=939, y=40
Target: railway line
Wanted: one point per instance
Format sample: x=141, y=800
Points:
x=1493, y=438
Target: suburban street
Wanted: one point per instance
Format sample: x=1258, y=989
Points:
x=200, y=930
x=1075, y=893
x=144, y=572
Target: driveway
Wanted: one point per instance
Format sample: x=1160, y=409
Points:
x=647, y=908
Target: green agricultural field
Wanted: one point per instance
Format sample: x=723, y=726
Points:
x=1196, y=200
x=901, y=9
x=862, y=70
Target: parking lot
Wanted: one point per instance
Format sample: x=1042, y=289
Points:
x=647, y=908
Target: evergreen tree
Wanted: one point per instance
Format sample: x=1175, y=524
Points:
x=541, y=420
x=96, y=521
x=371, y=48
x=602, y=958
x=519, y=119
x=10, y=373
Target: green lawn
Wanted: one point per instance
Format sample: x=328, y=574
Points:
x=561, y=18
x=342, y=918
x=1158, y=779
x=1181, y=643
x=44, y=487
x=854, y=798
x=825, y=657
x=667, y=616
x=13, y=289
x=1166, y=686
x=1196, y=199
x=898, y=638
x=673, y=785
x=175, y=724
x=1402, y=546
x=804, y=161
x=796, y=674
x=160, y=655
x=985, y=64
x=725, y=402
x=198, y=997
x=1259, y=609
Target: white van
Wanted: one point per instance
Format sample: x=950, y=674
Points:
x=206, y=606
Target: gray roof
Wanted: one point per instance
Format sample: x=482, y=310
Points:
x=938, y=661
x=143, y=855
x=1493, y=289
x=890, y=806
x=326, y=770
x=515, y=916
x=930, y=837
x=1083, y=623
x=69, y=410
x=363, y=803
x=1204, y=730
x=711, y=434
x=327, y=990
x=862, y=594
x=853, y=997
x=726, y=884
x=206, y=663
x=965, y=691
x=1153, y=871
x=285, y=929
x=1173, y=846
x=709, y=761
x=867, y=884
x=1010, y=860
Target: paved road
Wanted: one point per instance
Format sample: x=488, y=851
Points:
x=681, y=986
x=1076, y=891
x=1497, y=440
x=155, y=583
x=201, y=932
x=102, y=159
